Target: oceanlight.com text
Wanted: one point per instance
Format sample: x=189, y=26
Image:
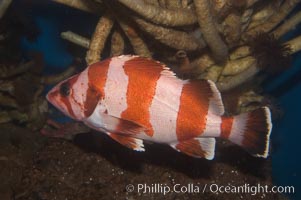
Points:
x=159, y=188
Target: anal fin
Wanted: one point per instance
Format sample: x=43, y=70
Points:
x=197, y=147
x=128, y=141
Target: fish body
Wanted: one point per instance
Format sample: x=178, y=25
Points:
x=133, y=99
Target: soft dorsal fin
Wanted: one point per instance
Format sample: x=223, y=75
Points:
x=168, y=72
x=206, y=92
x=216, y=99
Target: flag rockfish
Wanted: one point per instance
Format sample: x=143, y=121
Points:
x=135, y=99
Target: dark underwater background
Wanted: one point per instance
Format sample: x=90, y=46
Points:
x=51, y=19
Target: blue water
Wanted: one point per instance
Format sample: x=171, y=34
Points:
x=49, y=44
x=54, y=49
x=286, y=157
x=52, y=19
x=286, y=133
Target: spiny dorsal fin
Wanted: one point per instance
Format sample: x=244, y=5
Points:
x=141, y=63
x=148, y=64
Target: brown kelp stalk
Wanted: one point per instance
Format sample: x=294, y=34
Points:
x=276, y=60
x=117, y=42
x=97, y=43
x=275, y=19
x=138, y=44
x=226, y=25
x=209, y=31
x=76, y=39
x=288, y=25
x=170, y=37
x=87, y=5
x=159, y=15
x=294, y=44
x=4, y=4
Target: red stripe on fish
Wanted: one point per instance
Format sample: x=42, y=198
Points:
x=143, y=75
x=98, y=75
x=191, y=120
x=226, y=127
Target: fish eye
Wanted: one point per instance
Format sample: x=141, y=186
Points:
x=65, y=89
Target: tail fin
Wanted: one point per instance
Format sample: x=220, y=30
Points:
x=250, y=130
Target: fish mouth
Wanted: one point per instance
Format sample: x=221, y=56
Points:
x=48, y=97
x=52, y=96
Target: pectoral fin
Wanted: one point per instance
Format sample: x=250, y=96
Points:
x=197, y=147
x=128, y=127
x=102, y=121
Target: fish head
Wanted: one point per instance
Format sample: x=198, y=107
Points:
x=67, y=96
